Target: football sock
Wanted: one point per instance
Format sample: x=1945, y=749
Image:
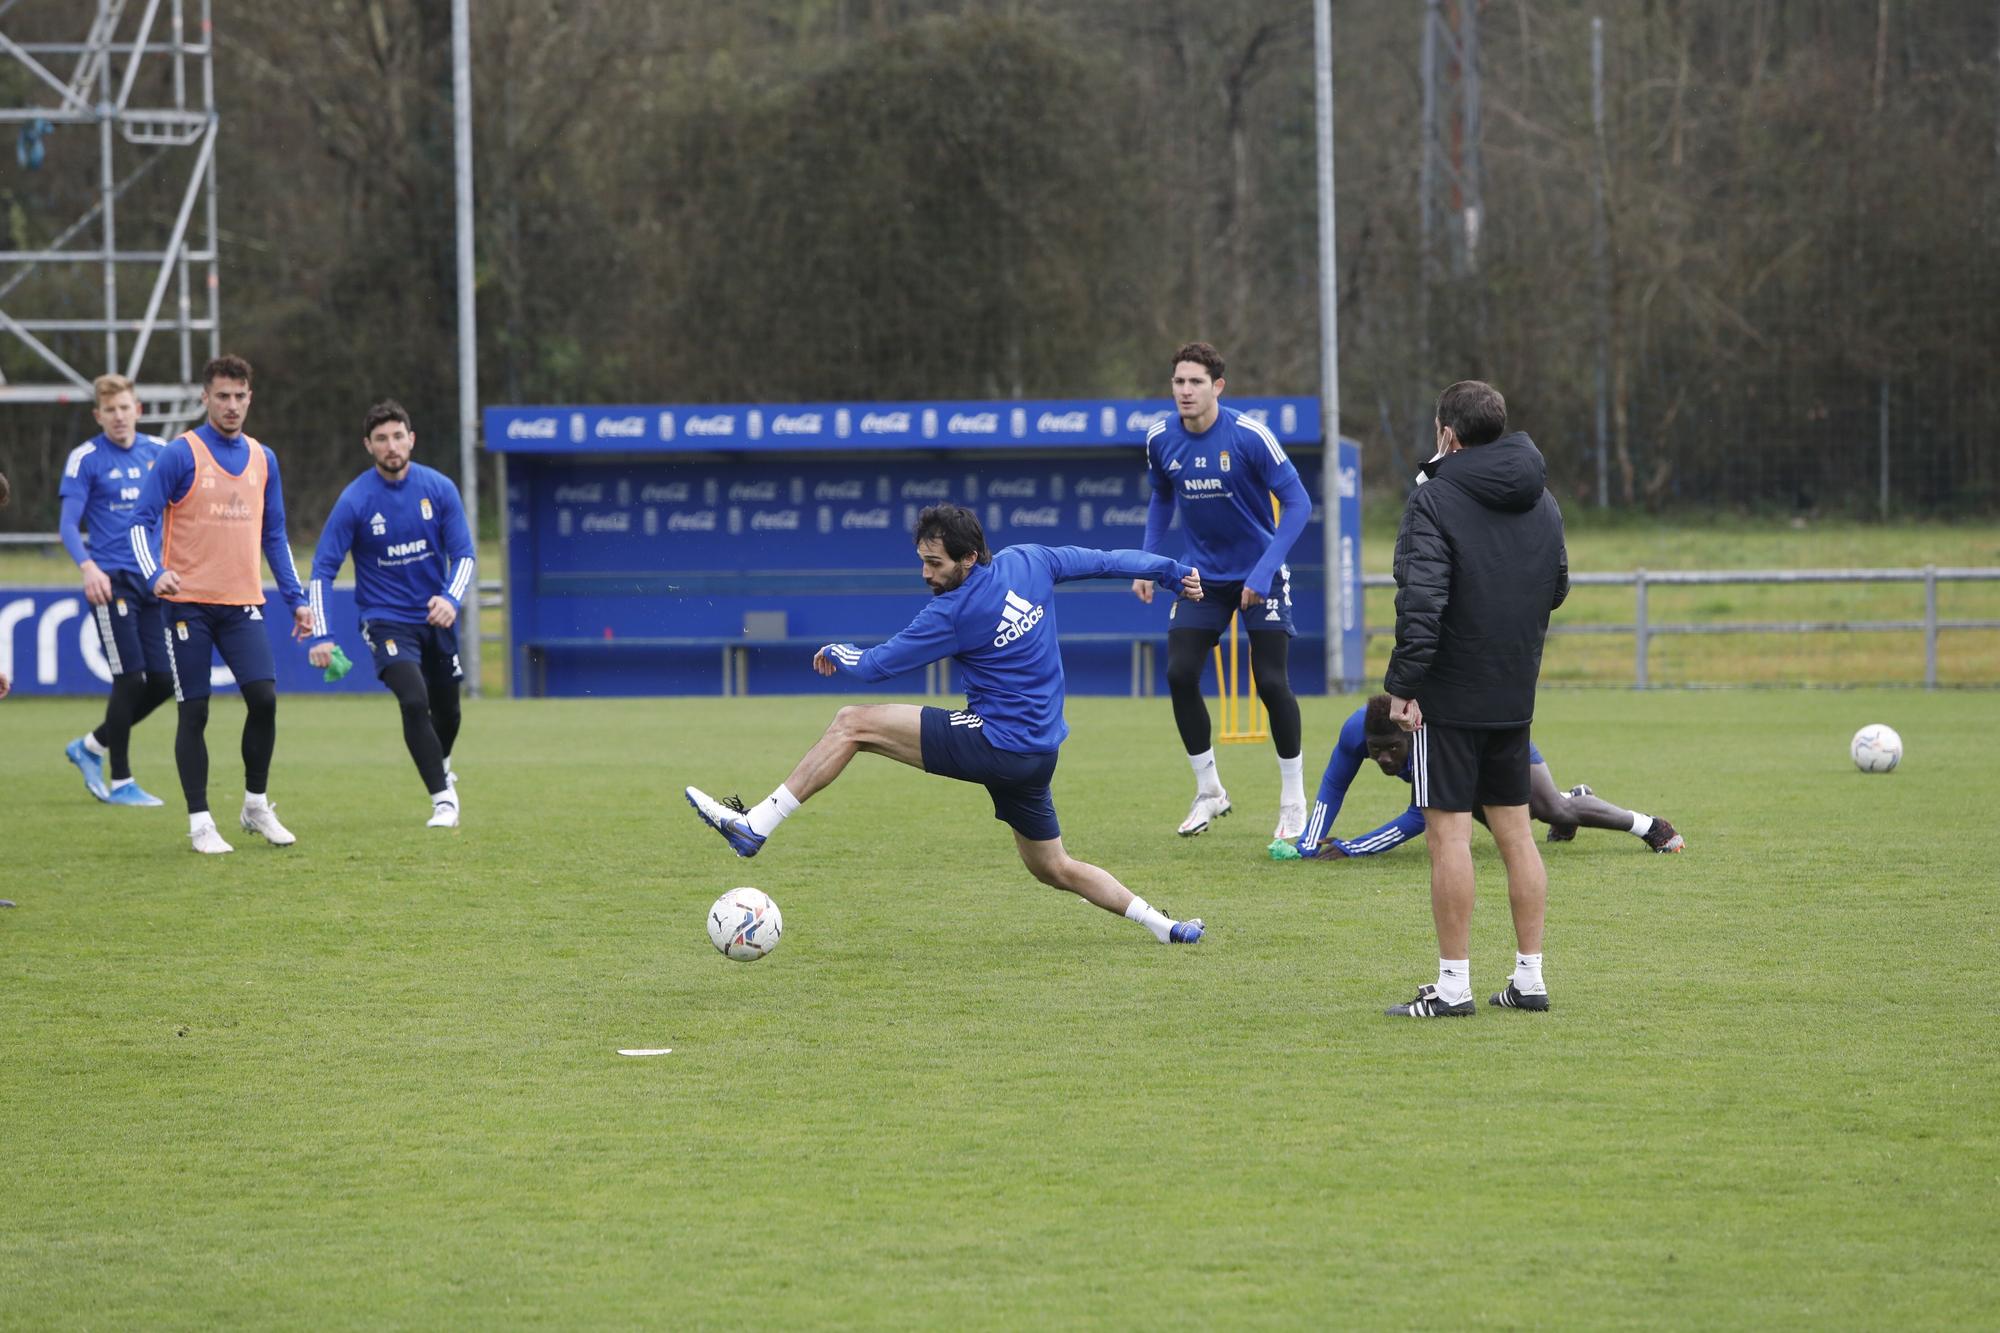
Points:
x=1207, y=781
x=1151, y=917
x=200, y=820
x=772, y=811
x=1454, y=980
x=1641, y=824
x=116, y=783
x=1291, y=780
x=256, y=800
x=444, y=797
x=95, y=746
x=1528, y=974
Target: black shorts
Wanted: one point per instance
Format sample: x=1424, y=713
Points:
x=955, y=746
x=1460, y=768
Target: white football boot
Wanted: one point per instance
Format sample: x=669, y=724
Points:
x=1206, y=809
x=1291, y=822
x=208, y=839
x=444, y=814
x=263, y=820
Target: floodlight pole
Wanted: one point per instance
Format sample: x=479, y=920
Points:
x=1337, y=611
x=468, y=334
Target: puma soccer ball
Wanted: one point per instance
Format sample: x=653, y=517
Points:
x=1876, y=748
x=745, y=924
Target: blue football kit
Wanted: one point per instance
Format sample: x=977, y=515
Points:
x=410, y=543
x=100, y=490
x=999, y=626
x=197, y=631
x=1350, y=752
x=1221, y=481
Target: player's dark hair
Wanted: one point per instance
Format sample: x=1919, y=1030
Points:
x=1376, y=721
x=225, y=367
x=1203, y=355
x=957, y=528
x=382, y=414
x=1474, y=410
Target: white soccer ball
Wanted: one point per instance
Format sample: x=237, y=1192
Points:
x=745, y=924
x=1876, y=748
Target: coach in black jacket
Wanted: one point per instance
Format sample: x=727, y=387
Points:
x=1480, y=564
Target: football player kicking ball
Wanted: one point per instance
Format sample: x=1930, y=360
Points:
x=1368, y=736
x=413, y=569
x=991, y=614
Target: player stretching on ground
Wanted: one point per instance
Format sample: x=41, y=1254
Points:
x=214, y=497
x=992, y=615
x=1220, y=468
x=413, y=565
x=100, y=489
x=1369, y=736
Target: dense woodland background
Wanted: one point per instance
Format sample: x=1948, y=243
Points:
x=846, y=199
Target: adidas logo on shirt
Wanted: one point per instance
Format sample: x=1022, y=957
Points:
x=378, y=525
x=1017, y=617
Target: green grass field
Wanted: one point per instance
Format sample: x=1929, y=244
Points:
x=371, y=1081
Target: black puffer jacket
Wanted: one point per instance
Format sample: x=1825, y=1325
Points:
x=1480, y=563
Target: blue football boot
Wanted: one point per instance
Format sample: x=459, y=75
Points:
x=726, y=818
x=1185, y=932
x=90, y=766
x=133, y=794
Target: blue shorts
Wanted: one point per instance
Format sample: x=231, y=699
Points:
x=433, y=648
x=197, y=631
x=955, y=746
x=1219, y=600
x=135, y=638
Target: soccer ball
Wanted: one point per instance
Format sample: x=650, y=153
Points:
x=1876, y=748
x=745, y=924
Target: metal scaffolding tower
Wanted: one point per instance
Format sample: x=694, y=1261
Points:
x=142, y=76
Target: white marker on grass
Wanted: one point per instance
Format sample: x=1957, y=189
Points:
x=649, y=1050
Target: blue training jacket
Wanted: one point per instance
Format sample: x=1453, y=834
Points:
x=410, y=544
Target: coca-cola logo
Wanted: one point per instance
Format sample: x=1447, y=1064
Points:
x=1021, y=489
x=973, y=423
x=766, y=491
x=676, y=492
x=621, y=428
x=1125, y=516
x=532, y=428
x=699, y=520
x=588, y=494
x=1048, y=516
x=1105, y=487
x=777, y=520
x=619, y=522
x=926, y=490
x=719, y=424
x=865, y=518
x=1058, y=422
x=837, y=490
x=1144, y=421
x=885, y=423
x=798, y=423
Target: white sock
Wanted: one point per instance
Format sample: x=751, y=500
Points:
x=200, y=820
x=445, y=797
x=1454, y=980
x=1528, y=974
x=92, y=744
x=1149, y=916
x=256, y=800
x=772, y=811
x=1641, y=824
x=116, y=783
x=1291, y=780
x=1207, y=782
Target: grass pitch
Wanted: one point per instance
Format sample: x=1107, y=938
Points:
x=370, y=1080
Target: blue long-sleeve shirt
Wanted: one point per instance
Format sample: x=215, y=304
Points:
x=1350, y=752
x=1000, y=627
x=1222, y=480
x=410, y=543
x=100, y=490
x=171, y=479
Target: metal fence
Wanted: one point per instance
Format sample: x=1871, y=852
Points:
x=1644, y=629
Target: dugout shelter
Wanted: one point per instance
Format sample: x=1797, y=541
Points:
x=709, y=549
